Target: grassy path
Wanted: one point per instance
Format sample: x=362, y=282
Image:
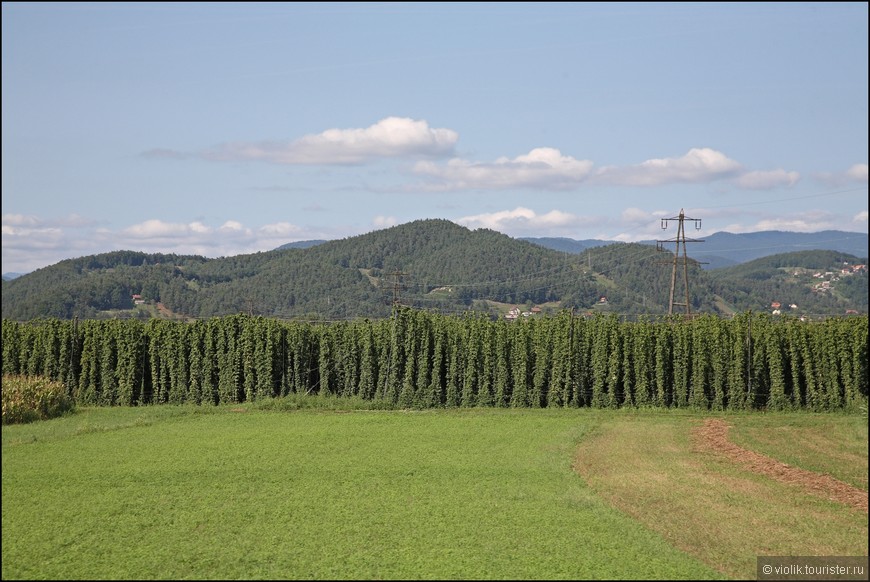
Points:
x=650, y=467
x=712, y=437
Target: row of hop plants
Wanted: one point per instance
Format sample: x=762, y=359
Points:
x=31, y=398
x=417, y=359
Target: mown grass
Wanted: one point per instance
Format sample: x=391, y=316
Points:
x=262, y=492
x=835, y=445
x=648, y=466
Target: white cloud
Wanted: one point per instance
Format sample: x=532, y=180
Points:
x=233, y=226
x=766, y=180
x=858, y=173
x=809, y=221
x=860, y=218
x=19, y=220
x=523, y=221
x=199, y=228
x=636, y=224
x=18, y=237
x=30, y=242
x=279, y=230
x=29, y=220
x=794, y=224
x=544, y=168
x=550, y=169
x=384, y=221
x=152, y=229
x=697, y=165
x=392, y=137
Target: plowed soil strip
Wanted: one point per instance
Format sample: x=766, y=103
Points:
x=713, y=436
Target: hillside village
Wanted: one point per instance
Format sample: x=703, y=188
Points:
x=825, y=283
x=829, y=277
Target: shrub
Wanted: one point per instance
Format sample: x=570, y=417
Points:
x=30, y=398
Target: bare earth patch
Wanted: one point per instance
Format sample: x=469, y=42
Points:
x=712, y=436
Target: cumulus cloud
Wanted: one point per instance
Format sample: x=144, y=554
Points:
x=794, y=224
x=23, y=237
x=550, y=169
x=697, y=165
x=384, y=221
x=30, y=242
x=32, y=235
x=545, y=168
x=761, y=180
x=279, y=230
x=808, y=221
x=151, y=229
x=231, y=236
x=860, y=218
x=392, y=137
x=858, y=173
x=20, y=220
x=233, y=226
x=523, y=221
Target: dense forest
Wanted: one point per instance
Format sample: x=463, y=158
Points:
x=434, y=265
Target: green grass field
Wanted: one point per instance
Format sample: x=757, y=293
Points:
x=278, y=490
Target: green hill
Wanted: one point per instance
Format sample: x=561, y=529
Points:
x=428, y=264
x=817, y=282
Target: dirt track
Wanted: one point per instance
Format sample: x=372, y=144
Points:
x=712, y=436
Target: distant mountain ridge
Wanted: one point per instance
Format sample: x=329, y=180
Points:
x=719, y=250
x=723, y=249
x=567, y=245
x=301, y=244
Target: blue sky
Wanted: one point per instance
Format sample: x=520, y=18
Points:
x=221, y=129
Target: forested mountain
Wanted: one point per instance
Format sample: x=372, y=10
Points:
x=428, y=264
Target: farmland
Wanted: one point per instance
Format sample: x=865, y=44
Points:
x=309, y=488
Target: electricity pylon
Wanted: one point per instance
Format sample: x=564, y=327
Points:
x=680, y=239
x=397, y=285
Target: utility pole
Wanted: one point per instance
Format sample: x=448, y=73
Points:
x=749, y=357
x=680, y=239
x=397, y=285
